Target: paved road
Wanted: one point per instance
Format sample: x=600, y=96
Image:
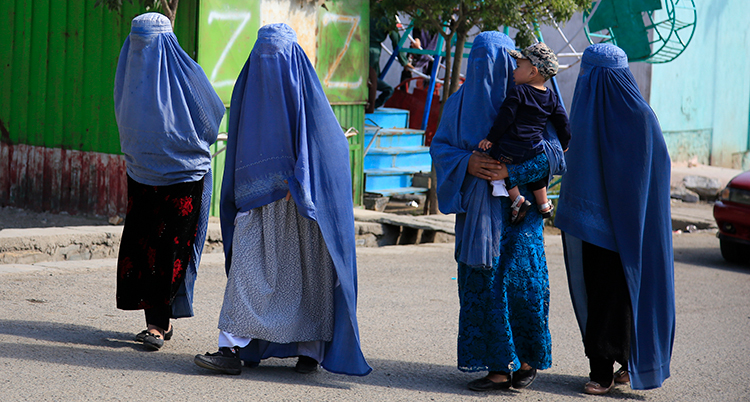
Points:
x=61, y=338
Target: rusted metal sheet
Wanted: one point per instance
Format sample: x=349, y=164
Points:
x=57, y=180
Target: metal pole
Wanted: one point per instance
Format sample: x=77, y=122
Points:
x=433, y=81
x=430, y=92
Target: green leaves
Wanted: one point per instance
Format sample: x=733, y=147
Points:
x=460, y=15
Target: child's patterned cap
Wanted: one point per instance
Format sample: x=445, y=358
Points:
x=541, y=57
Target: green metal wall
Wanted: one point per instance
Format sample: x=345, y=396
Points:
x=227, y=30
x=58, y=61
x=58, y=67
x=354, y=116
x=342, y=66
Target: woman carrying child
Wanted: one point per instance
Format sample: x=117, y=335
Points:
x=502, y=271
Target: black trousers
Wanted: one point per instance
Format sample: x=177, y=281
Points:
x=610, y=316
x=159, y=316
x=533, y=186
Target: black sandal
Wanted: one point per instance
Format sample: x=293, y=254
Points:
x=622, y=376
x=523, y=378
x=306, y=365
x=139, y=337
x=485, y=384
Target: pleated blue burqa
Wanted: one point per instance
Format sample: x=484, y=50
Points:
x=616, y=195
x=284, y=136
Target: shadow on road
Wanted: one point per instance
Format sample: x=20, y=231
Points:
x=86, y=346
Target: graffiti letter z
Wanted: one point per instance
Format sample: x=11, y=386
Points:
x=354, y=20
x=243, y=17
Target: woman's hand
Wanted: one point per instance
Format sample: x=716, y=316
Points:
x=485, y=167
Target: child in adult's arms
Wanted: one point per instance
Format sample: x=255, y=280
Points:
x=516, y=136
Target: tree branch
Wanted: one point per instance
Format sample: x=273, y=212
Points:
x=170, y=9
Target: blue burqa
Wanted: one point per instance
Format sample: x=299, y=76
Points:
x=168, y=115
x=283, y=136
x=616, y=196
x=467, y=118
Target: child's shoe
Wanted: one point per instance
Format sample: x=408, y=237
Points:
x=546, y=209
x=519, y=208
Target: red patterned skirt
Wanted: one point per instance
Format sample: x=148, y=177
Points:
x=157, y=243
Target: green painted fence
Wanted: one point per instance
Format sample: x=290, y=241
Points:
x=58, y=69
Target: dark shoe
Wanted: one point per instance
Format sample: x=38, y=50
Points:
x=523, y=378
x=168, y=335
x=485, y=384
x=153, y=341
x=139, y=337
x=306, y=365
x=594, y=388
x=622, y=376
x=226, y=361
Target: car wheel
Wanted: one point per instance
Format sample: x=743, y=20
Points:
x=734, y=252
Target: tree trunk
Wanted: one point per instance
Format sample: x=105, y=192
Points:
x=169, y=8
x=458, y=61
x=447, y=78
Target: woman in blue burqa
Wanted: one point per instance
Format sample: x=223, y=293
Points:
x=168, y=115
x=614, y=212
x=287, y=220
x=502, y=271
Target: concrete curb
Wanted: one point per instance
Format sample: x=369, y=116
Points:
x=73, y=243
x=372, y=229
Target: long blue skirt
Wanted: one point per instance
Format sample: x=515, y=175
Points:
x=504, y=316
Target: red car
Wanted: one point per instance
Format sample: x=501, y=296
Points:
x=732, y=214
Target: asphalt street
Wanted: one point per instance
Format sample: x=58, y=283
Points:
x=62, y=339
